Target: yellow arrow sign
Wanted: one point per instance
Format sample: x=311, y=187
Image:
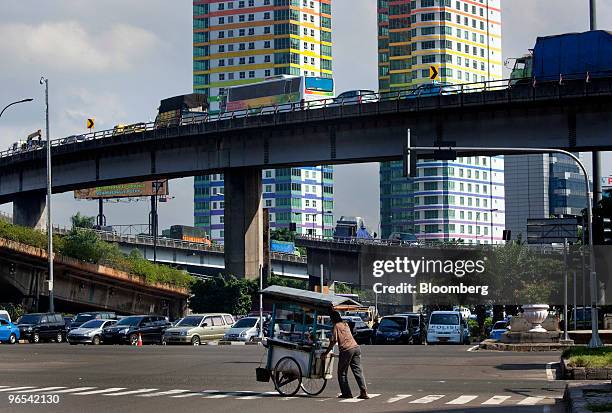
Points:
x=90, y=123
x=433, y=72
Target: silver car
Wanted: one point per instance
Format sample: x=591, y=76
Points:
x=195, y=328
x=245, y=329
x=89, y=332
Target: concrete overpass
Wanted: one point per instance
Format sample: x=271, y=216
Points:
x=80, y=286
x=196, y=257
x=575, y=115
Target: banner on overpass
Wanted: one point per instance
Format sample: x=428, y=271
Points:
x=133, y=190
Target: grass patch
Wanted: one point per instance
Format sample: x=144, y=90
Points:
x=599, y=407
x=588, y=357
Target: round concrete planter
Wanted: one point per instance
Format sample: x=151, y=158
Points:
x=535, y=314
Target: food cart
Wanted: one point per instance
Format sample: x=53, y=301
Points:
x=297, y=340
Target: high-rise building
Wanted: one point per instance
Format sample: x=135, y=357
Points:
x=462, y=199
x=541, y=186
x=241, y=42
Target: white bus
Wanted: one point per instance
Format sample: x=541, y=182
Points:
x=278, y=92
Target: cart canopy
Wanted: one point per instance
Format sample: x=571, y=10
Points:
x=278, y=294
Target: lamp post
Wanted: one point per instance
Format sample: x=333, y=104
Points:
x=44, y=81
x=15, y=103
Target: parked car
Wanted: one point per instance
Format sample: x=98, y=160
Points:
x=447, y=327
x=82, y=318
x=498, y=329
x=245, y=329
x=361, y=332
x=37, y=327
x=405, y=328
x=433, y=89
x=126, y=331
x=5, y=315
x=196, y=328
x=9, y=332
x=89, y=332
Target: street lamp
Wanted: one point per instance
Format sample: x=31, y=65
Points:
x=44, y=81
x=14, y=103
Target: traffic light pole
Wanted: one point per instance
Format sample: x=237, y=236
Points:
x=446, y=150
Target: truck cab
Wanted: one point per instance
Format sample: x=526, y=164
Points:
x=522, y=70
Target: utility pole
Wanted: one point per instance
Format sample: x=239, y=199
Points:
x=44, y=81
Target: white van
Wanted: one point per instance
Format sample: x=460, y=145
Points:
x=5, y=315
x=447, y=327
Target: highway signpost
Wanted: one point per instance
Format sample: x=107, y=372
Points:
x=90, y=123
x=433, y=73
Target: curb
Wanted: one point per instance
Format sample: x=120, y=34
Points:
x=527, y=347
x=574, y=396
x=233, y=343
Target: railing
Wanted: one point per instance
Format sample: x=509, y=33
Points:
x=423, y=97
x=163, y=242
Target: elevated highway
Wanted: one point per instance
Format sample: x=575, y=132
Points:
x=574, y=115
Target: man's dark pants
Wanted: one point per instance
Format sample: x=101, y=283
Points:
x=350, y=358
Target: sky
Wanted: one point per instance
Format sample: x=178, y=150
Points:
x=115, y=59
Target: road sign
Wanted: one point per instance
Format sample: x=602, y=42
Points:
x=433, y=72
x=552, y=230
x=90, y=123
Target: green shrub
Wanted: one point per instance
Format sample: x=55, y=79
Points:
x=588, y=357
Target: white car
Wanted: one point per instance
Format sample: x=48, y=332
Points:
x=447, y=327
x=245, y=329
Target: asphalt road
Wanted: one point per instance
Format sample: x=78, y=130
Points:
x=222, y=379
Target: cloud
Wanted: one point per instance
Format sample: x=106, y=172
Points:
x=69, y=47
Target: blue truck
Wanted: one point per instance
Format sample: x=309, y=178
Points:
x=566, y=56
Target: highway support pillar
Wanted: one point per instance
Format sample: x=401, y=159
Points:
x=243, y=222
x=29, y=210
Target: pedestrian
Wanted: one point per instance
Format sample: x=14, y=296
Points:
x=350, y=356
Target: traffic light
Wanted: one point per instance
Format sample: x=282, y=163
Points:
x=606, y=225
x=292, y=226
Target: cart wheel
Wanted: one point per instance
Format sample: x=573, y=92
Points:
x=313, y=387
x=287, y=376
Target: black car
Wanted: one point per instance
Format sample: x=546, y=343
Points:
x=150, y=328
x=401, y=329
x=361, y=332
x=37, y=327
x=82, y=318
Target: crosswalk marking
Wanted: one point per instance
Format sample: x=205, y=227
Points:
x=126, y=393
x=356, y=400
x=462, y=399
x=41, y=389
x=101, y=391
x=398, y=398
x=530, y=401
x=73, y=390
x=11, y=389
x=496, y=400
x=428, y=399
x=164, y=393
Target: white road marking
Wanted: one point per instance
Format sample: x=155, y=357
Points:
x=428, y=399
x=102, y=391
x=126, y=393
x=473, y=348
x=462, y=399
x=496, y=400
x=356, y=400
x=41, y=389
x=530, y=401
x=164, y=393
x=11, y=389
x=551, y=372
x=73, y=390
x=398, y=398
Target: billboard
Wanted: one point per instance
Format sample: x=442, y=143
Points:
x=133, y=190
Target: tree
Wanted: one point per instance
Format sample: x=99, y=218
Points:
x=282, y=234
x=226, y=294
x=82, y=221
